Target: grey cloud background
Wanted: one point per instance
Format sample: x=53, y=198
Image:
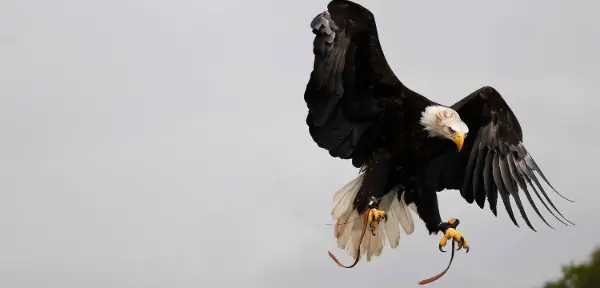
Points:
x=145, y=142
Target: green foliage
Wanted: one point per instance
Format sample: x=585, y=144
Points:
x=586, y=275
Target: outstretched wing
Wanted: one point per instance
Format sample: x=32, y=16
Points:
x=349, y=84
x=494, y=160
x=350, y=87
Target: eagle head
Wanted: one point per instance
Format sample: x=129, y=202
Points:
x=444, y=122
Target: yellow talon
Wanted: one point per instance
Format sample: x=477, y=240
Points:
x=374, y=217
x=443, y=243
x=451, y=233
x=464, y=245
x=373, y=226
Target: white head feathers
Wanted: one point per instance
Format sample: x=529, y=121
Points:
x=442, y=121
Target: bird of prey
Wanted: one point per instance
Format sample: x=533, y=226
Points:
x=407, y=146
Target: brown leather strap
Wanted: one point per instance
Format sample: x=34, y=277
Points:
x=438, y=276
x=362, y=235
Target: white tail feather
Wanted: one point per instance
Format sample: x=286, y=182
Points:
x=344, y=197
x=413, y=207
x=349, y=224
x=404, y=215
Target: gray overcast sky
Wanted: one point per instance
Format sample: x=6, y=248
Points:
x=145, y=143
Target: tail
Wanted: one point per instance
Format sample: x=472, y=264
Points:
x=347, y=231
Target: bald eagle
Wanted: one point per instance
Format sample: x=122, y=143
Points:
x=407, y=146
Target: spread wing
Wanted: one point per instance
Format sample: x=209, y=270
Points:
x=351, y=83
x=494, y=160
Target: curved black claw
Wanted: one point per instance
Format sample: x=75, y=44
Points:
x=385, y=217
x=441, y=249
x=462, y=241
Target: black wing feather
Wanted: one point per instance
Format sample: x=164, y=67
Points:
x=521, y=183
x=491, y=190
x=477, y=174
x=349, y=83
x=501, y=189
x=494, y=159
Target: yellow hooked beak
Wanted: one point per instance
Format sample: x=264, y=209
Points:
x=459, y=139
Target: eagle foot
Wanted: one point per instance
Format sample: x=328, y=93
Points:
x=374, y=217
x=449, y=229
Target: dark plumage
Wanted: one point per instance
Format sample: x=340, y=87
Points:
x=359, y=110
